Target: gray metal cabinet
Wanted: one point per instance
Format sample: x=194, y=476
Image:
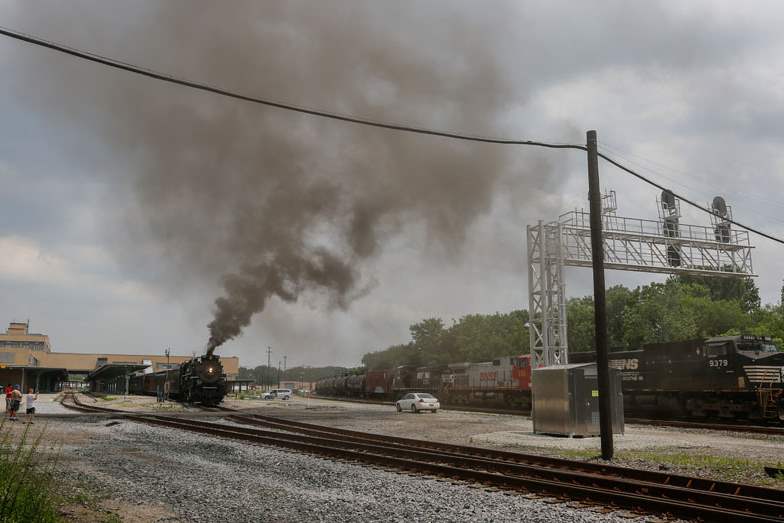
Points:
x=566, y=400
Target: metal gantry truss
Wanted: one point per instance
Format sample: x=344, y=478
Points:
x=630, y=244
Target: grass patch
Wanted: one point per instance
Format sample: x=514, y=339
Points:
x=691, y=461
x=83, y=500
x=167, y=406
x=26, y=479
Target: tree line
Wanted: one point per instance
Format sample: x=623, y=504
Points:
x=681, y=308
x=264, y=375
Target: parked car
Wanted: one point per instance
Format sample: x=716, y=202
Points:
x=418, y=401
x=284, y=394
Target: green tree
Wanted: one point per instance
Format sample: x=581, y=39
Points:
x=681, y=308
x=781, y=297
x=658, y=315
x=580, y=324
x=721, y=288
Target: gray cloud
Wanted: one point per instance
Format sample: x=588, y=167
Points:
x=197, y=188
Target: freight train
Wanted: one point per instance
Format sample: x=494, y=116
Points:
x=199, y=380
x=725, y=377
x=505, y=381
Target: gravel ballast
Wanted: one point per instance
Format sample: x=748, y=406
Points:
x=203, y=478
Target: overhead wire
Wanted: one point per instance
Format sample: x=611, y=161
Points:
x=687, y=200
x=660, y=168
x=125, y=66
x=705, y=193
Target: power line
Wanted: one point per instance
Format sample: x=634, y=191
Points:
x=684, y=199
x=661, y=168
x=125, y=66
x=737, y=197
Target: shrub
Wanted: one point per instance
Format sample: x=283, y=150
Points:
x=25, y=480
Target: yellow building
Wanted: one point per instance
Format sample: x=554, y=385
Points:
x=27, y=359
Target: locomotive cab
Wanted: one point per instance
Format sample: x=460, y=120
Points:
x=751, y=360
x=762, y=362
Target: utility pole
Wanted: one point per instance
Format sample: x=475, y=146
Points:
x=168, y=366
x=284, y=365
x=599, y=304
x=267, y=371
x=278, y=373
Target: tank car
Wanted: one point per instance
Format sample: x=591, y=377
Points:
x=355, y=386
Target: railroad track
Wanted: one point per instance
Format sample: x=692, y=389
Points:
x=70, y=401
x=642, y=491
x=732, y=427
x=704, y=425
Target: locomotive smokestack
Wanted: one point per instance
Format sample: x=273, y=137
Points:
x=211, y=346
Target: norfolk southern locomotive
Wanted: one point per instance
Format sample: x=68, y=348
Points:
x=199, y=380
x=725, y=377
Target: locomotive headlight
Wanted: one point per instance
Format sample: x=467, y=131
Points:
x=209, y=370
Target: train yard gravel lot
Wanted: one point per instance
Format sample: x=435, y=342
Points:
x=208, y=479
x=134, y=472
x=729, y=456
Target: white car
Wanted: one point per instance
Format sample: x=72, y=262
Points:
x=284, y=394
x=418, y=401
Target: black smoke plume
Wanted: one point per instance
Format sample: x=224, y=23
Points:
x=277, y=203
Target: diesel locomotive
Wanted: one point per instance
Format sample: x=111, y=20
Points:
x=199, y=380
x=740, y=377
x=503, y=382
x=724, y=377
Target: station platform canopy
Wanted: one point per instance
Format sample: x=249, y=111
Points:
x=113, y=377
x=111, y=371
x=42, y=379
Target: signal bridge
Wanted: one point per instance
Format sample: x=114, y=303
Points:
x=630, y=244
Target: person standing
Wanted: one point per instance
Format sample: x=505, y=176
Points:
x=30, y=404
x=9, y=389
x=16, y=399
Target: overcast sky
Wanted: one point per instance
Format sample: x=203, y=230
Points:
x=125, y=202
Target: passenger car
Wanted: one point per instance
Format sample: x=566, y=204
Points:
x=418, y=401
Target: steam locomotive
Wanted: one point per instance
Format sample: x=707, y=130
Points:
x=199, y=380
x=725, y=377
